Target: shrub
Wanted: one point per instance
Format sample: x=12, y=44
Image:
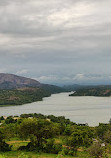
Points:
x=68, y=130
x=96, y=150
x=65, y=151
x=69, y=151
x=107, y=137
x=3, y=145
x=50, y=147
x=57, y=148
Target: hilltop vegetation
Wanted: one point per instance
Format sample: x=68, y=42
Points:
x=41, y=136
x=103, y=91
x=22, y=96
x=26, y=95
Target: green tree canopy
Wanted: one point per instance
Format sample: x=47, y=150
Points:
x=37, y=130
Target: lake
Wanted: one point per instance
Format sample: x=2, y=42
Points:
x=91, y=110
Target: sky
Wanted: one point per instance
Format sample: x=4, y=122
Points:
x=56, y=41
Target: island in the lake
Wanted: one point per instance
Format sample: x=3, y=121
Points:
x=99, y=91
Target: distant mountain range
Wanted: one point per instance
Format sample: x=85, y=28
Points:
x=11, y=81
x=75, y=87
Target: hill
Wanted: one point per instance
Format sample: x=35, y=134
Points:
x=100, y=91
x=10, y=81
x=22, y=96
x=73, y=87
x=17, y=90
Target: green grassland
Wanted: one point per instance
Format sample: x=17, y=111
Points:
x=16, y=154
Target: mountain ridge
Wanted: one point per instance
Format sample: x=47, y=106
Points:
x=10, y=81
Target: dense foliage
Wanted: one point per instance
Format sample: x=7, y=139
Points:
x=3, y=145
x=22, y=96
x=41, y=133
x=42, y=130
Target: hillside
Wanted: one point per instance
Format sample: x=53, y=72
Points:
x=10, y=81
x=100, y=91
x=22, y=96
x=74, y=87
x=17, y=90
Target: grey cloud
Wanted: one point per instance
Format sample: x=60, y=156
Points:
x=54, y=38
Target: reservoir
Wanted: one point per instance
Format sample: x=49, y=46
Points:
x=91, y=110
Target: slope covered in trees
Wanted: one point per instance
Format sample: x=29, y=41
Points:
x=22, y=96
x=103, y=91
x=37, y=133
x=17, y=90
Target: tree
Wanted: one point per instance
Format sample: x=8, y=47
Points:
x=107, y=137
x=37, y=130
x=3, y=145
x=68, y=130
x=101, y=129
x=10, y=120
x=78, y=138
x=10, y=131
x=1, y=118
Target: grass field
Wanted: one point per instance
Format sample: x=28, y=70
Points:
x=16, y=143
x=18, y=154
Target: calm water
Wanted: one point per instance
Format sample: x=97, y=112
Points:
x=91, y=110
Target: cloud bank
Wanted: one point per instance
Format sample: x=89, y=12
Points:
x=56, y=41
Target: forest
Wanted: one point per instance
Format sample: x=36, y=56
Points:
x=99, y=91
x=22, y=96
x=36, y=135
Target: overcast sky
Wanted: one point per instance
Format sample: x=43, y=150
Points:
x=56, y=41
